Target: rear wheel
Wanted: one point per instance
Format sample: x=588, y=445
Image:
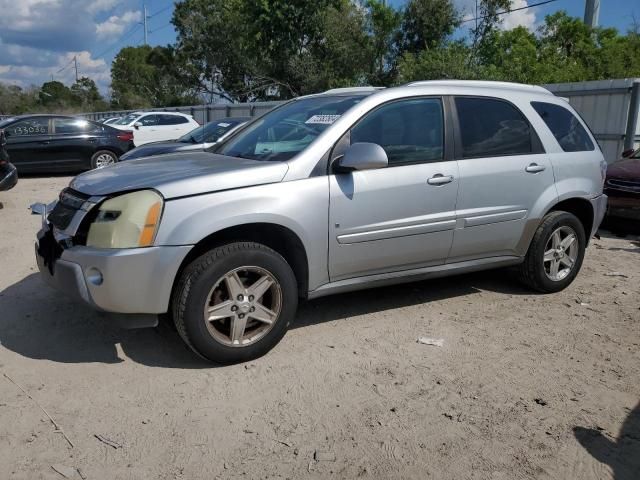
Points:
x=555, y=254
x=103, y=158
x=235, y=302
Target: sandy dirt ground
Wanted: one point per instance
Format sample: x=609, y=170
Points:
x=525, y=386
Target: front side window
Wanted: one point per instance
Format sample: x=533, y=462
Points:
x=286, y=131
x=29, y=127
x=492, y=128
x=127, y=119
x=150, y=120
x=564, y=125
x=72, y=126
x=409, y=131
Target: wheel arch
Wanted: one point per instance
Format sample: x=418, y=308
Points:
x=277, y=237
x=581, y=208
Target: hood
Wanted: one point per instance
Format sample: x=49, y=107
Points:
x=628, y=169
x=179, y=175
x=157, y=148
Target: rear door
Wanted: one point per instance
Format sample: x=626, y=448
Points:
x=403, y=216
x=28, y=143
x=174, y=126
x=504, y=175
x=73, y=142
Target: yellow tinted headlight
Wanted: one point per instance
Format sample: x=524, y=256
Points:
x=127, y=221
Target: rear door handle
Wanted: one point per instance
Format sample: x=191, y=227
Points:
x=439, y=179
x=44, y=142
x=535, y=168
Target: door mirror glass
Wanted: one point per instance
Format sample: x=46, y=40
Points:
x=363, y=156
x=628, y=153
x=137, y=125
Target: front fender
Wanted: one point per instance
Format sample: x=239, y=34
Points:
x=301, y=206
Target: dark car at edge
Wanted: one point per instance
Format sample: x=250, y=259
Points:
x=58, y=143
x=622, y=185
x=200, y=138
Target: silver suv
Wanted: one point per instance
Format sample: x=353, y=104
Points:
x=348, y=189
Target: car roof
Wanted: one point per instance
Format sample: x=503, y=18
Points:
x=457, y=87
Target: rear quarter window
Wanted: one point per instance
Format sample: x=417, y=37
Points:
x=565, y=126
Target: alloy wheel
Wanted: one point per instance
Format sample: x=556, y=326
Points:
x=104, y=159
x=560, y=253
x=243, y=306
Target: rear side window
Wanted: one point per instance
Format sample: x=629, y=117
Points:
x=172, y=120
x=492, y=128
x=73, y=126
x=410, y=131
x=564, y=125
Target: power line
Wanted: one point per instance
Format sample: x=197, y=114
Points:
x=160, y=28
x=509, y=11
x=160, y=11
x=120, y=40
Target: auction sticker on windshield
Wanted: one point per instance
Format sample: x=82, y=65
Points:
x=323, y=119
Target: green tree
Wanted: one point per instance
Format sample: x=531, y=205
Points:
x=449, y=61
x=426, y=24
x=86, y=94
x=383, y=25
x=148, y=77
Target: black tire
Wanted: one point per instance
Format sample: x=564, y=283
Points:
x=95, y=158
x=192, y=294
x=532, y=270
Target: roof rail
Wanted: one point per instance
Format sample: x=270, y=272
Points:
x=480, y=84
x=353, y=89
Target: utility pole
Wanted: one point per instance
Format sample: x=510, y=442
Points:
x=75, y=60
x=144, y=22
x=591, y=12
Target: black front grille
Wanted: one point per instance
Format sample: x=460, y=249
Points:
x=69, y=203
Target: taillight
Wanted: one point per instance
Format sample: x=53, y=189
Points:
x=125, y=136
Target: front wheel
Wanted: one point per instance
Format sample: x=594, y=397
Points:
x=556, y=252
x=235, y=303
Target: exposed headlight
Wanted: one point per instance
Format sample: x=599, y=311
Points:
x=127, y=221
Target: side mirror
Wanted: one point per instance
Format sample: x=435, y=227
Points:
x=363, y=156
x=627, y=153
x=137, y=125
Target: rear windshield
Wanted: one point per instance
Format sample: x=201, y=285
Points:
x=210, y=132
x=286, y=131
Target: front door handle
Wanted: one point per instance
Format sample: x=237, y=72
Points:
x=439, y=179
x=44, y=142
x=535, y=168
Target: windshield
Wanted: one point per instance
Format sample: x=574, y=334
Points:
x=286, y=131
x=126, y=120
x=210, y=132
x=6, y=121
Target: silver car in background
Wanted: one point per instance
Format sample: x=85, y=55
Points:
x=348, y=189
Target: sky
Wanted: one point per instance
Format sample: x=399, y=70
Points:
x=40, y=38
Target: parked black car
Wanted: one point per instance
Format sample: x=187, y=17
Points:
x=53, y=143
x=201, y=138
x=8, y=173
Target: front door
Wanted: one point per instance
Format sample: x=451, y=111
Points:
x=403, y=216
x=503, y=173
x=149, y=131
x=28, y=143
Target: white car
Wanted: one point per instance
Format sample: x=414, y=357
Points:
x=156, y=126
